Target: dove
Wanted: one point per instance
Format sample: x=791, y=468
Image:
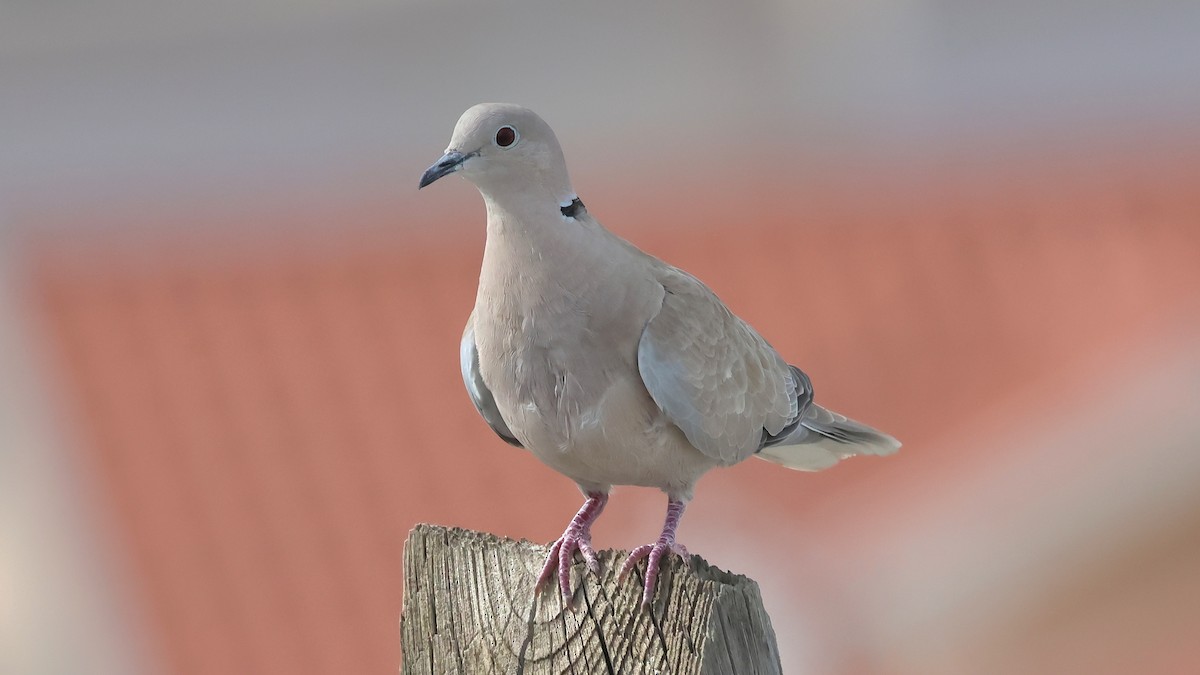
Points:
x=611, y=366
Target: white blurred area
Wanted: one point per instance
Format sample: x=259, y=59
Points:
x=125, y=101
x=64, y=606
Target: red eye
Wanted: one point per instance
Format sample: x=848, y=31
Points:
x=506, y=136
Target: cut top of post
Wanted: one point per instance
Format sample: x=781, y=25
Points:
x=470, y=607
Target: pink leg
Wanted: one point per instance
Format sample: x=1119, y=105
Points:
x=655, y=552
x=578, y=536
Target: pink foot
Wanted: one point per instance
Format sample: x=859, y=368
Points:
x=654, y=552
x=577, y=537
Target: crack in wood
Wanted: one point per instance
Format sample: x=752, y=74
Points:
x=533, y=603
x=608, y=665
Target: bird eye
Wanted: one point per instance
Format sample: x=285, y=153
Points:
x=506, y=136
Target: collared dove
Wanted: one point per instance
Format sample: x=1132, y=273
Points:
x=609, y=365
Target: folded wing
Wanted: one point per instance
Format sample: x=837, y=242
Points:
x=481, y=396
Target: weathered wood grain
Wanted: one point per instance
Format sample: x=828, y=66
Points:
x=469, y=607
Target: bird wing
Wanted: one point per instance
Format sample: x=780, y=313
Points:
x=712, y=375
x=477, y=389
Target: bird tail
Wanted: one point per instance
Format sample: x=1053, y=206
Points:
x=824, y=438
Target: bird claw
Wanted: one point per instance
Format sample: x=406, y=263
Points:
x=654, y=554
x=561, y=557
x=577, y=537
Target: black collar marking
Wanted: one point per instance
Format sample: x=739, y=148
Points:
x=571, y=210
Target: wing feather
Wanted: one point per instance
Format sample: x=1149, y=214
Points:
x=712, y=375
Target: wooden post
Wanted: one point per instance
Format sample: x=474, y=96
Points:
x=469, y=607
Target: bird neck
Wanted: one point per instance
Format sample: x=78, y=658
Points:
x=536, y=213
x=531, y=243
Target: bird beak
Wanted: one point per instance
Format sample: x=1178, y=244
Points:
x=449, y=163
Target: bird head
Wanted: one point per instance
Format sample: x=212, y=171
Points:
x=501, y=147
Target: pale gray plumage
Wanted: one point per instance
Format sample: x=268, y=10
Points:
x=713, y=376
x=611, y=366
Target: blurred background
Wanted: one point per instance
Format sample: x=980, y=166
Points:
x=229, y=323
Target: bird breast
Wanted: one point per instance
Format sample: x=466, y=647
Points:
x=547, y=363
